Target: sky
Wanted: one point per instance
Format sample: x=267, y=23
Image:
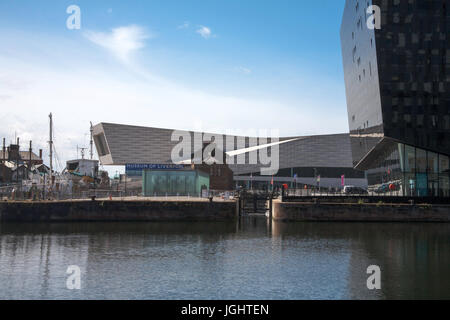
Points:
x=210, y=65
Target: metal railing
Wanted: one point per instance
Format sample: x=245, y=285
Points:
x=340, y=193
x=19, y=192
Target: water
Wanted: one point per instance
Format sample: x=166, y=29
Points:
x=250, y=259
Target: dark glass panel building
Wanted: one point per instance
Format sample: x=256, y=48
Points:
x=398, y=93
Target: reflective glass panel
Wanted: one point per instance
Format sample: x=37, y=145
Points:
x=443, y=163
x=421, y=160
x=433, y=162
x=410, y=184
x=444, y=185
x=410, y=159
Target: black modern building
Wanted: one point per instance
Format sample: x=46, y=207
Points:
x=397, y=77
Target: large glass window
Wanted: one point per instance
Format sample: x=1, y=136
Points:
x=410, y=159
x=421, y=161
x=421, y=184
x=443, y=164
x=433, y=184
x=444, y=176
x=401, y=152
x=432, y=162
x=417, y=172
x=410, y=184
x=444, y=185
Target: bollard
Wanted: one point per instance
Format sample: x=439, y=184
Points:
x=270, y=206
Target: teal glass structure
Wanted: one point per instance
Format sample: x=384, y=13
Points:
x=174, y=182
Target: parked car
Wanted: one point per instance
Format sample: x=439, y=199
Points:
x=347, y=189
x=354, y=190
x=382, y=188
x=387, y=187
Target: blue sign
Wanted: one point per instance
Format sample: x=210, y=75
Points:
x=135, y=169
x=144, y=166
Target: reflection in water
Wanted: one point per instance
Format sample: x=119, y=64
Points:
x=251, y=259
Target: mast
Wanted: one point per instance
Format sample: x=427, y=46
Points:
x=50, y=145
x=17, y=156
x=31, y=150
x=4, y=161
x=91, y=152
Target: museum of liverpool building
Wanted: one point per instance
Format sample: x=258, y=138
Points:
x=313, y=161
x=396, y=59
x=397, y=77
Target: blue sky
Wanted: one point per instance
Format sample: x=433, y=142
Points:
x=198, y=64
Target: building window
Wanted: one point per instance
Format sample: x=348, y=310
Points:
x=420, y=120
x=421, y=160
x=410, y=159
x=433, y=163
x=444, y=164
x=102, y=146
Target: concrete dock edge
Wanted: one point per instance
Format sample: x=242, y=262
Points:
x=302, y=211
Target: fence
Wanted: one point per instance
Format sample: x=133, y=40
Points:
x=341, y=193
x=45, y=192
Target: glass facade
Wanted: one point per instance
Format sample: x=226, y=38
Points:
x=413, y=59
x=405, y=96
x=180, y=182
x=409, y=171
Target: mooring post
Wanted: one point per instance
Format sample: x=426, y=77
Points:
x=240, y=204
x=270, y=206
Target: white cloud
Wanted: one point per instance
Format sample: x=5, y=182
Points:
x=243, y=70
x=205, y=32
x=184, y=25
x=121, y=41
